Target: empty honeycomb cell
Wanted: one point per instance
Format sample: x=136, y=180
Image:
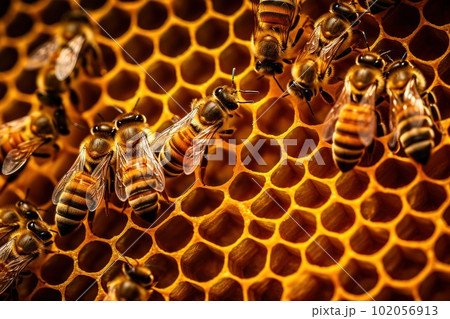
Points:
x=281, y=109
x=137, y=49
x=338, y=217
x=134, y=243
x=302, y=141
x=288, y=174
x=436, y=12
x=352, y=184
x=429, y=43
x=271, y=204
x=189, y=10
x=442, y=95
x=181, y=101
x=368, y=240
x=436, y=287
x=226, y=289
x=109, y=57
x=242, y=28
x=325, y=251
x=234, y=56
x=223, y=228
x=115, y=23
x=299, y=227
x=261, y=229
x=402, y=263
x=54, y=11
x=176, y=187
x=15, y=110
x=92, y=4
x=174, y=234
x=174, y=41
x=102, y=252
x=202, y=262
x=268, y=289
x=164, y=268
x=198, y=68
x=284, y=260
x=26, y=82
x=47, y=294
x=444, y=69
x=152, y=15
x=124, y=85
x=397, y=50
x=212, y=33
x=216, y=83
x=260, y=154
x=322, y=164
x=415, y=228
x=371, y=28
x=442, y=248
x=253, y=81
x=201, y=201
x=8, y=58
x=364, y=273
x=312, y=194
x=426, y=196
x=57, y=269
x=89, y=95
x=402, y=14
x=82, y=288
x=312, y=287
x=381, y=207
x=245, y=186
x=247, y=259
x=438, y=166
x=393, y=294
x=227, y=7
x=187, y=291
x=374, y=156
x=150, y=107
x=4, y=7
x=39, y=196
x=19, y=26
x=219, y=166
x=71, y=241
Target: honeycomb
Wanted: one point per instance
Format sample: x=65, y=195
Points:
x=387, y=222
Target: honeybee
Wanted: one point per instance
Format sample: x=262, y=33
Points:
x=181, y=146
x=29, y=241
x=133, y=284
x=139, y=176
x=83, y=187
x=413, y=111
x=14, y=217
x=377, y=6
x=352, y=121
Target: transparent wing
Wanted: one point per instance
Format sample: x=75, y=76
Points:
x=366, y=133
x=313, y=44
x=412, y=98
x=121, y=166
x=68, y=58
x=40, y=56
x=96, y=191
x=18, y=156
x=194, y=154
x=77, y=166
x=333, y=115
x=328, y=52
x=14, y=126
x=153, y=164
x=167, y=134
x=5, y=230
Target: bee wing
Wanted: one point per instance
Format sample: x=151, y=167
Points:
x=313, y=43
x=153, y=164
x=167, y=134
x=68, y=58
x=14, y=126
x=5, y=230
x=194, y=154
x=328, y=52
x=18, y=156
x=96, y=191
x=40, y=56
x=77, y=166
x=366, y=133
x=121, y=166
x=333, y=115
x=412, y=97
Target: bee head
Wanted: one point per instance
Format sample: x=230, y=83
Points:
x=371, y=59
x=227, y=97
x=397, y=65
x=268, y=67
x=300, y=91
x=28, y=210
x=140, y=274
x=39, y=230
x=104, y=128
x=129, y=118
x=345, y=10
x=60, y=119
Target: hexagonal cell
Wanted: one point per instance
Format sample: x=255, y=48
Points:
x=368, y=240
x=432, y=11
x=164, y=268
x=371, y=27
x=108, y=225
x=253, y=81
x=54, y=12
x=260, y=229
x=260, y=154
x=429, y=43
x=325, y=251
x=92, y=4
x=415, y=228
x=212, y=33
x=403, y=263
x=312, y=194
x=426, y=196
x=180, y=103
x=115, y=23
x=436, y=287
x=187, y=291
x=393, y=294
x=46, y=294
x=381, y=207
x=352, y=184
x=102, y=252
x=198, y=68
x=220, y=164
x=284, y=260
x=302, y=141
x=162, y=77
x=281, y=109
x=88, y=95
x=174, y=41
x=178, y=186
x=226, y=289
x=247, y=259
x=271, y=204
x=82, y=288
x=152, y=15
x=15, y=110
x=338, y=217
x=442, y=248
x=8, y=58
x=402, y=14
x=40, y=195
x=243, y=25
x=71, y=241
x=438, y=166
x=234, y=56
x=20, y=25
x=57, y=269
x=137, y=49
x=269, y=289
x=189, y=10
x=322, y=164
x=134, y=243
x=227, y=7
x=245, y=186
x=202, y=262
x=299, y=227
x=397, y=49
x=174, y=234
x=150, y=107
x=201, y=201
x=223, y=228
x=287, y=174
x=374, y=156
x=312, y=287
x=124, y=85
x=393, y=173
x=359, y=277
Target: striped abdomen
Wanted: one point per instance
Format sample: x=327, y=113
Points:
x=9, y=142
x=380, y=5
x=276, y=12
x=415, y=133
x=353, y=125
x=172, y=154
x=72, y=208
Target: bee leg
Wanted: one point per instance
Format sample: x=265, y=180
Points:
x=297, y=37
x=295, y=24
x=433, y=111
x=393, y=143
x=203, y=167
x=381, y=127
x=124, y=206
x=227, y=133
x=326, y=96
x=41, y=155
x=343, y=53
x=363, y=34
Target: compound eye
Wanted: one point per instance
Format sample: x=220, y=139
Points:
x=258, y=65
x=31, y=215
x=96, y=129
x=278, y=68
x=139, y=118
x=218, y=91
x=378, y=63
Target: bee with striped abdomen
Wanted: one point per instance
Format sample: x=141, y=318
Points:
x=83, y=187
x=15, y=217
x=377, y=6
x=352, y=121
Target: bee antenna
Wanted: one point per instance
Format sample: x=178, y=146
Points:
x=137, y=101
x=249, y=91
x=232, y=77
x=27, y=193
x=260, y=77
x=118, y=109
x=101, y=117
x=53, y=231
x=285, y=95
x=404, y=56
x=127, y=261
x=278, y=83
x=78, y=126
x=243, y=102
x=310, y=108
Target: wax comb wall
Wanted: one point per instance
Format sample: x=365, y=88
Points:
x=387, y=222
